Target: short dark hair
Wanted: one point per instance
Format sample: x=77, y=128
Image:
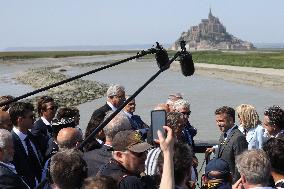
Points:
x=183, y=157
x=100, y=182
x=19, y=109
x=4, y=99
x=276, y=116
x=274, y=148
x=227, y=110
x=41, y=103
x=68, y=169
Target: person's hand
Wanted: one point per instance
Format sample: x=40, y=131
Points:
x=238, y=184
x=166, y=144
x=209, y=151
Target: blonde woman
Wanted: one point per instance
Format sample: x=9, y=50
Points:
x=251, y=126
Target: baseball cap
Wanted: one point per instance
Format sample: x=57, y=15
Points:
x=129, y=140
x=219, y=165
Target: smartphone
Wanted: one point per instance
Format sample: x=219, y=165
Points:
x=158, y=120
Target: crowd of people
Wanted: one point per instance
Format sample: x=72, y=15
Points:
x=44, y=152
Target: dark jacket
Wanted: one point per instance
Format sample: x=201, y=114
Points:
x=10, y=180
x=96, y=119
x=124, y=179
x=42, y=134
x=21, y=161
x=234, y=145
x=188, y=133
x=97, y=158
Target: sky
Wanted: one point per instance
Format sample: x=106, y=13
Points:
x=49, y=23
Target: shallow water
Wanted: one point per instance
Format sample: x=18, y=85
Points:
x=204, y=93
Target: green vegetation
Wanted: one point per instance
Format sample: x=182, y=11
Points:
x=55, y=54
x=260, y=59
x=247, y=59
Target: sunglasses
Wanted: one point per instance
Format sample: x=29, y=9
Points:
x=186, y=113
x=52, y=108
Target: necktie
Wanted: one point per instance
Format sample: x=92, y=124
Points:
x=34, y=162
x=225, y=136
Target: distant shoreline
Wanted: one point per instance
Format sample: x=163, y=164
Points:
x=261, y=77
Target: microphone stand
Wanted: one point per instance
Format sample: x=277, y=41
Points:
x=107, y=120
x=139, y=55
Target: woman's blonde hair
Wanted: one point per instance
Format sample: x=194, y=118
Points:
x=248, y=116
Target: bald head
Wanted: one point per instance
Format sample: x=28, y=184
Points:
x=5, y=121
x=69, y=137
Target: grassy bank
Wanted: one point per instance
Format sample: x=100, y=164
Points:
x=247, y=59
x=260, y=59
x=55, y=54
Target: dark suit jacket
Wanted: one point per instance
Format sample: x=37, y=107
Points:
x=42, y=134
x=228, y=150
x=21, y=161
x=96, y=119
x=10, y=180
x=96, y=158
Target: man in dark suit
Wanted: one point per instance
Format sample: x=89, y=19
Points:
x=98, y=157
x=8, y=175
x=42, y=129
x=232, y=141
x=27, y=158
x=135, y=120
x=115, y=97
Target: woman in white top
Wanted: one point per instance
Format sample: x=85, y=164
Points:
x=251, y=126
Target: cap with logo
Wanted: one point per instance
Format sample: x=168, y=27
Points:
x=130, y=140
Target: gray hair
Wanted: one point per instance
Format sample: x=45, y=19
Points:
x=5, y=138
x=114, y=89
x=180, y=104
x=173, y=98
x=255, y=166
x=119, y=123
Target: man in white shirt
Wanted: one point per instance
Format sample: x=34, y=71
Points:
x=42, y=129
x=27, y=159
x=115, y=98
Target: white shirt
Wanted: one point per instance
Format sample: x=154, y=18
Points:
x=22, y=137
x=127, y=114
x=111, y=106
x=45, y=121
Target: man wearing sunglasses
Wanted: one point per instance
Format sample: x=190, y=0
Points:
x=42, y=129
x=27, y=159
x=189, y=131
x=128, y=159
x=115, y=97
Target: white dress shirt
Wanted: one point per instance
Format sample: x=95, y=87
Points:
x=111, y=106
x=22, y=137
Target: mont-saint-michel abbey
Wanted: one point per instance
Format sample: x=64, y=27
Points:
x=211, y=34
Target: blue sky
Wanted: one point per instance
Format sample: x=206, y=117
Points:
x=32, y=23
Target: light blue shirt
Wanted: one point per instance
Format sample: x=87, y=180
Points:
x=255, y=137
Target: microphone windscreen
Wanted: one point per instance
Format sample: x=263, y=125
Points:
x=162, y=59
x=186, y=64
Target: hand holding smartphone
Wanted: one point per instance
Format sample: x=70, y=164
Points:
x=158, y=120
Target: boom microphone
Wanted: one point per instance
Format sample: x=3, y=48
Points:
x=162, y=57
x=186, y=64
